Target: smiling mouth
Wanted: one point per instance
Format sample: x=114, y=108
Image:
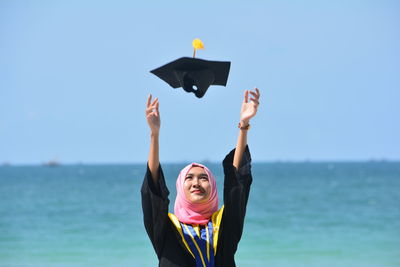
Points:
x=197, y=192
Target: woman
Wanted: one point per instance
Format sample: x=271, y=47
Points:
x=198, y=234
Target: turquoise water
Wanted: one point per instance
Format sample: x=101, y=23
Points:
x=299, y=214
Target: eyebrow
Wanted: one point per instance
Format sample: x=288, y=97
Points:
x=201, y=174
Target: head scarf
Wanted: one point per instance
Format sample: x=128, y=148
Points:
x=195, y=213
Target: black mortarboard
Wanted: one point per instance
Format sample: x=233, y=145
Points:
x=193, y=74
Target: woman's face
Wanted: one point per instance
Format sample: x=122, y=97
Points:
x=197, y=185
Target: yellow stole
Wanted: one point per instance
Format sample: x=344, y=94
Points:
x=216, y=222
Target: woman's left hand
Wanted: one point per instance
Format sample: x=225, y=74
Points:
x=249, y=109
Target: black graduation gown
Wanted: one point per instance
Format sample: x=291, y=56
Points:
x=164, y=236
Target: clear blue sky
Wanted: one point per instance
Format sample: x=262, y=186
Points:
x=74, y=78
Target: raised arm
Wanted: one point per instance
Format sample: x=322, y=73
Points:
x=154, y=122
x=248, y=111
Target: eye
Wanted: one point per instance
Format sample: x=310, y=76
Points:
x=204, y=178
x=189, y=177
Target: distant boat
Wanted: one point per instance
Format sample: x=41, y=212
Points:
x=51, y=163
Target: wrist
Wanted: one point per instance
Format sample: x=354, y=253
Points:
x=244, y=125
x=155, y=134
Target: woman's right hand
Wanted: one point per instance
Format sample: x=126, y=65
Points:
x=153, y=115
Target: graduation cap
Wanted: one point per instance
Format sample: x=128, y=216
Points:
x=193, y=74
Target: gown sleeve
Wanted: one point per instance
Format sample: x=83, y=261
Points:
x=236, y=194
x=155, y=209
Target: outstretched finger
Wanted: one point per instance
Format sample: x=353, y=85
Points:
x=148, y=101
x=157, y=105
x=154, y=101
x=256, y=93
x=246, y=96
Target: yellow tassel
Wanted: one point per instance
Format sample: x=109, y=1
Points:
x=197, y=44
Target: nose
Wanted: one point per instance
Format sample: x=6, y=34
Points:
x=196, y=183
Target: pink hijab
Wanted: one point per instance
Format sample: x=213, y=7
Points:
x=191, y=213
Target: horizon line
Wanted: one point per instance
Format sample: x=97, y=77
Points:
x=82, y=163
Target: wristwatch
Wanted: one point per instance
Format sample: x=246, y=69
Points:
x=247, y=127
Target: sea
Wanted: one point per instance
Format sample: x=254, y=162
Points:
x=298, y=214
